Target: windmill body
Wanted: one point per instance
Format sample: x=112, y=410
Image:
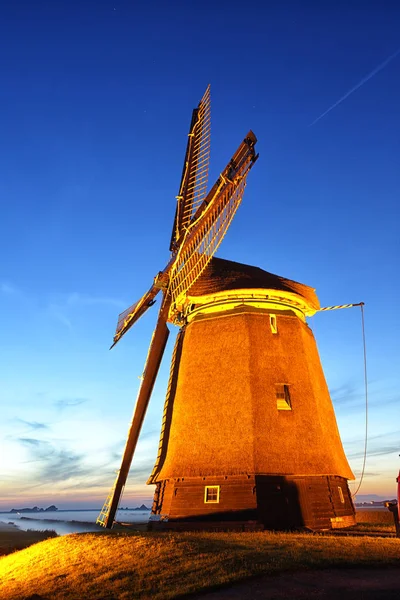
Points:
x=248, y=433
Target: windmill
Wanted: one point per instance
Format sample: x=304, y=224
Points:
x=200, y=223
x=249, y=435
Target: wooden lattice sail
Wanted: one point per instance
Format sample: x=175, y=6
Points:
x=248, y=432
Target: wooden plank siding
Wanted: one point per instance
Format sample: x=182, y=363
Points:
x=273, y=502
x=237, y=498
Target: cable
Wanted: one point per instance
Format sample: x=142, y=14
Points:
x=366, y=401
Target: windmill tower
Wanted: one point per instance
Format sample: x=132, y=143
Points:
x=248, y=434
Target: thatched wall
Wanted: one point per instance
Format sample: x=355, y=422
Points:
x=225, y=419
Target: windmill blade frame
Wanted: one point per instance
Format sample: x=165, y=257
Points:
x=132, y=314
x=153, y=361
x=193, y=187
x=213, y=218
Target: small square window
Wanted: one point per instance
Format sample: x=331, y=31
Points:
x=282, y=397
x=211, y=494
x=341, y=494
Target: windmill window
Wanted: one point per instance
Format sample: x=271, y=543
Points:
x=273, y=323
x=282, y=397
x=341, y=494
x=211, y=494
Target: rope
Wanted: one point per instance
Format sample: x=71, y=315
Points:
x=366, y=400
x=341, y=306
x=361, y=305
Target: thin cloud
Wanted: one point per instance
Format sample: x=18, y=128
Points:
x=354, y=406
x=57, y=313
x=344, y=393
x=381, y=444
x=351, y=398
x=386, y=435
x=148, y=435
x=70, y=402
x=34, y=425
x=103, y=480
x=56, y=464
x=380, y=451
x=63, y=465
x=140, y=474
x=367, y=474
x=117, y=449
x=358, y=85
x=32, y=442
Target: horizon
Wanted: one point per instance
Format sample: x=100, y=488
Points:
x=58, y=509
x=95, y=115
x=362, y=498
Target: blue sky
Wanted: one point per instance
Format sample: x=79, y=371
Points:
x=96, y=99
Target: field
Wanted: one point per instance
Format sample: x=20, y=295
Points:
x=165, y=565
x=375, y=521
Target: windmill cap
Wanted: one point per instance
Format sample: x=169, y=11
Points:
x=226, y=275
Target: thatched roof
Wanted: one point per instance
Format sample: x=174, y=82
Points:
x=226, y=275
x=221, y=414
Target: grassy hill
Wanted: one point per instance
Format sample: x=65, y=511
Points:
x=163, y=565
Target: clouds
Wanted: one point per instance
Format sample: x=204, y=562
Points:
x=350, y=398
x=69, y=402
x=33, y=425
x=67, y=451
x=62, y=307
x=383, y=450
x=345, y=393
x=56, y=464
x=367, y=474
x=379, y=445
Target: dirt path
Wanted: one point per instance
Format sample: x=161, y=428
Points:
x=334, y=584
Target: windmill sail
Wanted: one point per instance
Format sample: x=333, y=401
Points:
x=132, y=314
x=212, y=220
x=193, y=186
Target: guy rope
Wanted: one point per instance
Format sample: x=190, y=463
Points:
x=361, y=305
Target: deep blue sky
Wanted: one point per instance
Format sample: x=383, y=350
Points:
x=95, y=104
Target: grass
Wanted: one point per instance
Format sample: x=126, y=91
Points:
x=168, y=565
x=374, y=528
x=375, y=521
x=381, y=517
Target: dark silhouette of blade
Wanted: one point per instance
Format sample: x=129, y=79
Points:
x=153, y=361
